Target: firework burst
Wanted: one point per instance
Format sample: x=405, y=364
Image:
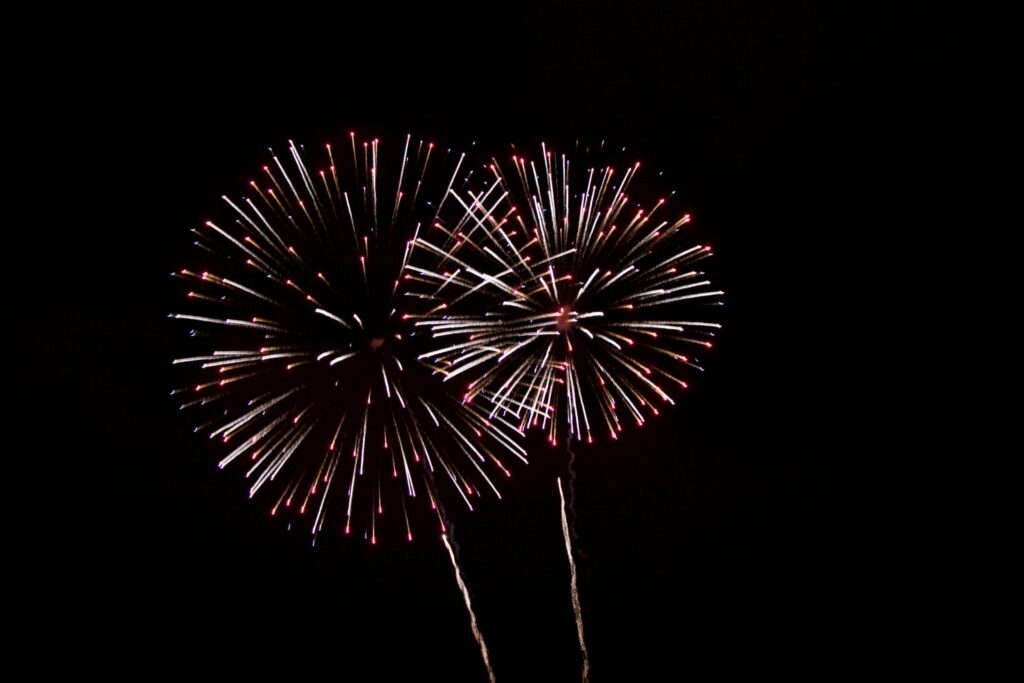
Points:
x=305, y=368
x=560, y=300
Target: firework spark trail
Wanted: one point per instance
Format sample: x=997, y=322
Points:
x=572, y=583
x=469, y=608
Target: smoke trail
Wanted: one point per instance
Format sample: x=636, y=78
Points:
x=571, y=499
x=575, y=593
x=469, y=608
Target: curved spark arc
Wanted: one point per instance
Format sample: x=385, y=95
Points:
x=301, y=344
x=560, y=302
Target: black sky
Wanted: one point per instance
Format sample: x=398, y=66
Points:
x=835, y=493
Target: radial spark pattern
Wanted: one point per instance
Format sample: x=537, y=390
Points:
x=305, y=368
x=560, y=300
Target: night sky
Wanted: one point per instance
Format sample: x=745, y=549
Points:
x=832, y=496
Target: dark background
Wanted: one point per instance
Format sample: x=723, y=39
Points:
x=833, y=496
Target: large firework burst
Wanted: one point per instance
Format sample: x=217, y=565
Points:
x=560, y=299
x=306, y=371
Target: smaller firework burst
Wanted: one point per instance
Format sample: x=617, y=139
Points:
x=562, y=301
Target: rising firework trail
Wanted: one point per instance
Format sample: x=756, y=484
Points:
x=304, y=367
x=484, y=653
x=576, y=609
